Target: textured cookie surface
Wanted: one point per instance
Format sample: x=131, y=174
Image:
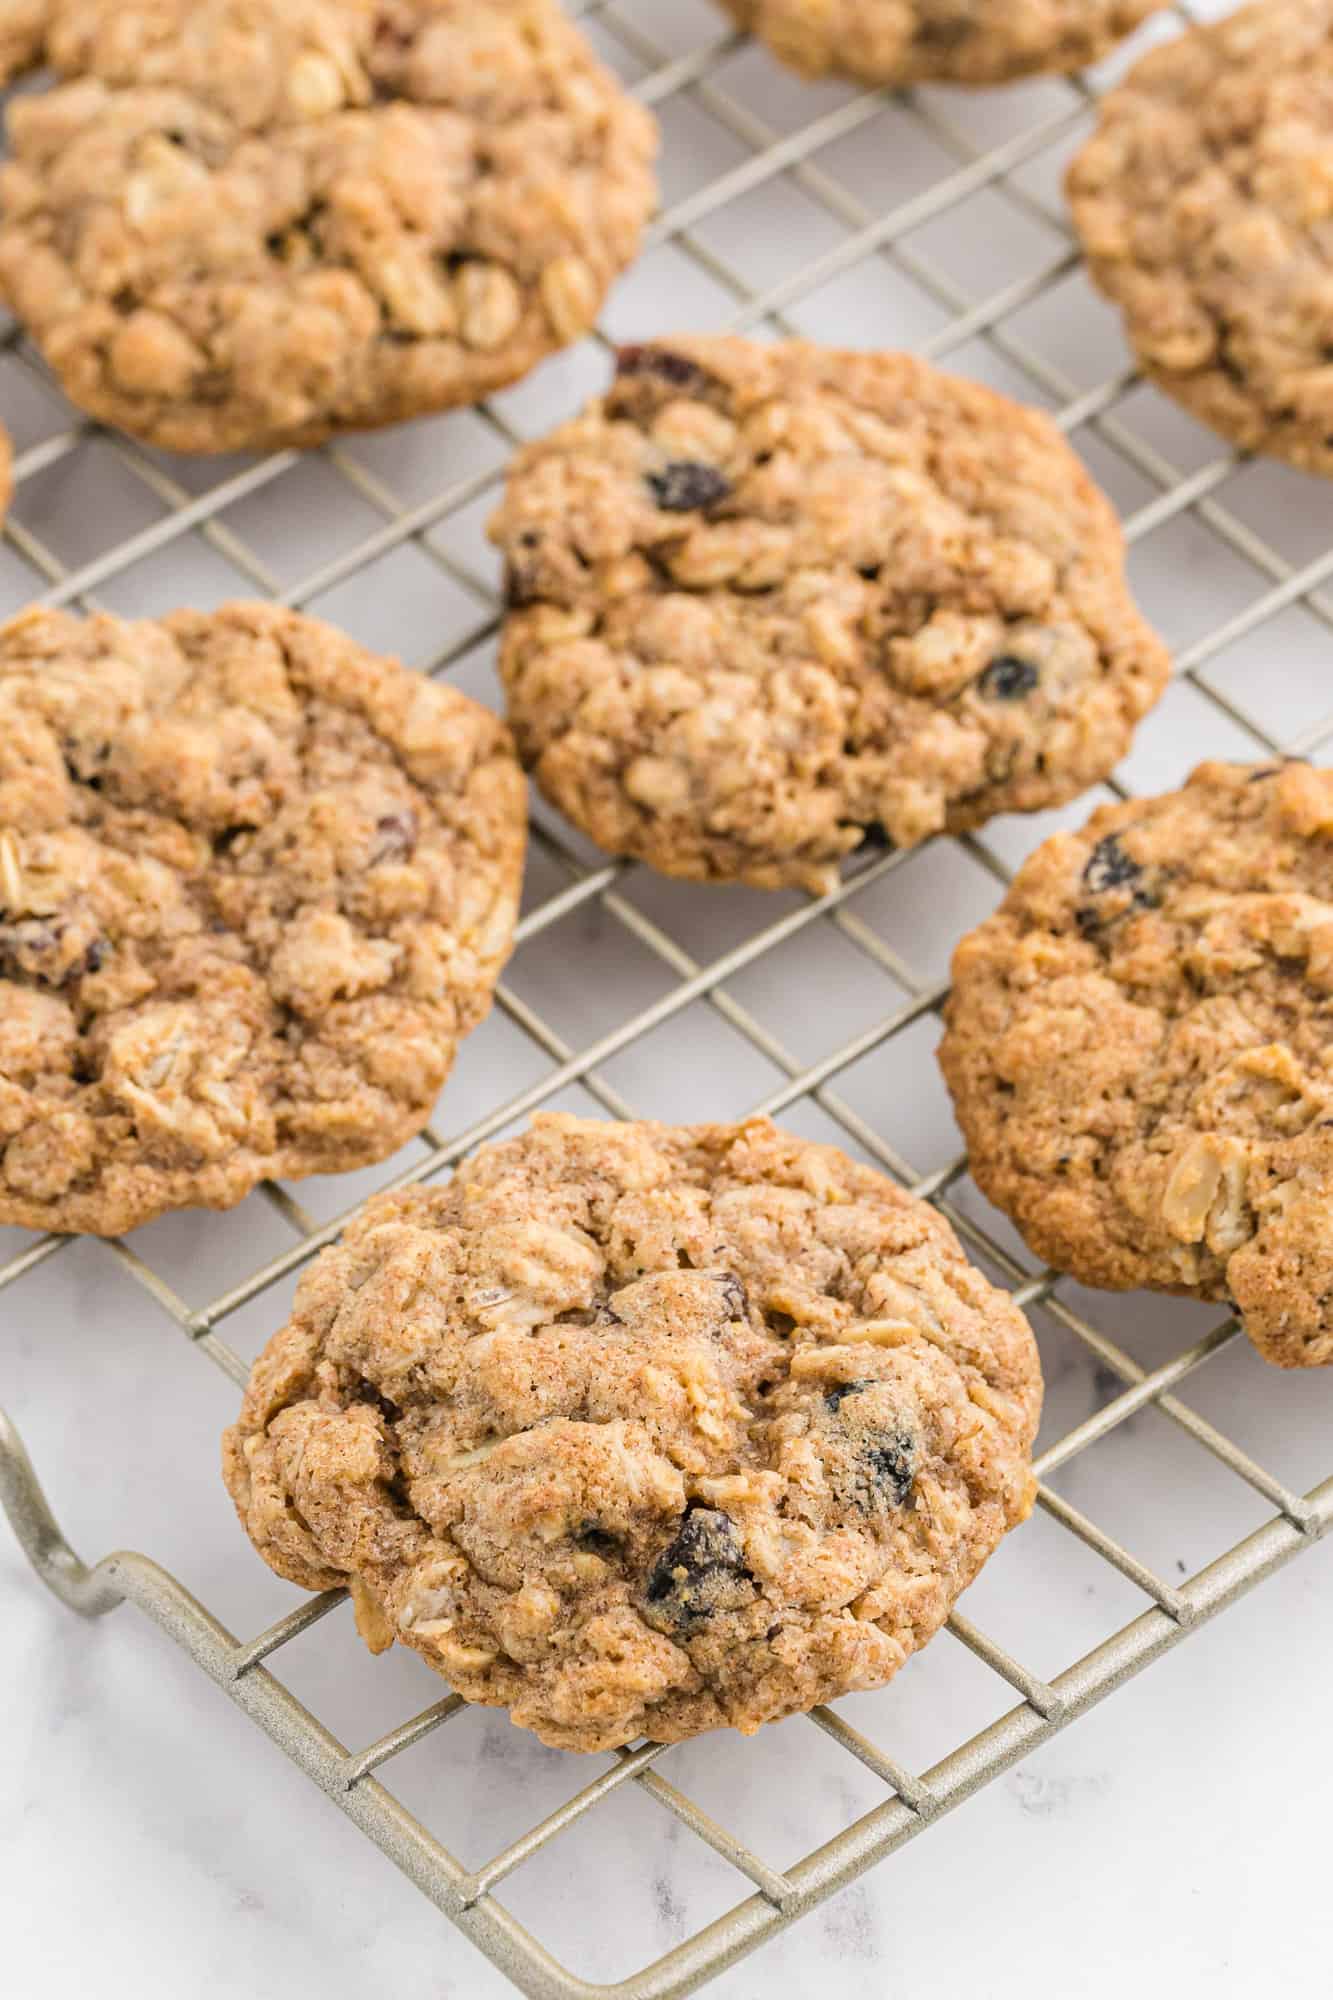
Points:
x=1138, y=1049
x=255, y=885
x=960, y=41
x=1205, y=203
x=23, y=25
x=318, y=216
x=638, y=1429
x=260, y=62
x=766, y=599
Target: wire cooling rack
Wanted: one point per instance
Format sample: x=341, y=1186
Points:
x=934, y=221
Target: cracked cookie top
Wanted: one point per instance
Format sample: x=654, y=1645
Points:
x=1205, y=203
x=643, y=1430
x=958, y=41
x=302, y=219
x=1138, y=1050
x=255, y=886
x=765, y=600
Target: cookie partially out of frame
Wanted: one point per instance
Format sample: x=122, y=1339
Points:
x=1203, y=201
x=1138, y=1049
x=413, y=205
x=953, y=41
x=255, y=886
x=768, y=600
x=643, y=1430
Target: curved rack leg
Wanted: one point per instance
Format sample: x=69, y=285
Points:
x=90, y=1592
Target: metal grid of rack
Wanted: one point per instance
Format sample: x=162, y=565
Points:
x=764, y=136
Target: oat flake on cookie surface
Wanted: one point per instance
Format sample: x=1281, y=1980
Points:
x=1204, y=200
x=315, y=217
x=255, y=886
x=766, y=600
x=641, y=1429
x=1139, y=1049
x=954, y=41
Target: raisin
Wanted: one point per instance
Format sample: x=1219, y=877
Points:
x=1109, y=867
x=82, y=765
x=677, y=369
x=366, y=1392
x=596, y=1540
x=882, y=1469
x=701, y=1571
x=891, y=1459
x=835, y=1397
x=95, y=956
x=1008, y=678
x=395, y=836
x=683, y=487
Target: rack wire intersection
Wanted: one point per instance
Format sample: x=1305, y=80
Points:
x=738, y=136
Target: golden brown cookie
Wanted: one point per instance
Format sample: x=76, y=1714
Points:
x=1205, y=203
x=256, y=884
x=643, y=1430
x=954, y=41
x=315, y=218
x=1138, y=1049
x=767, y=600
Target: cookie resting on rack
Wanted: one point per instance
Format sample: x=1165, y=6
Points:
x=951, y=41
x=315, y=218
x=766, y=601
x=1138, y=1050
x=1204, y=200
x=255, y=886
x=643, y=1430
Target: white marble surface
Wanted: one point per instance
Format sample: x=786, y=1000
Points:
x=153, y=1844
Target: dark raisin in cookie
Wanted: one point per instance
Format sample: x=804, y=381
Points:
x=643, y=1430
x=1138, y=1050
x=255, y=887
x=769, y=602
